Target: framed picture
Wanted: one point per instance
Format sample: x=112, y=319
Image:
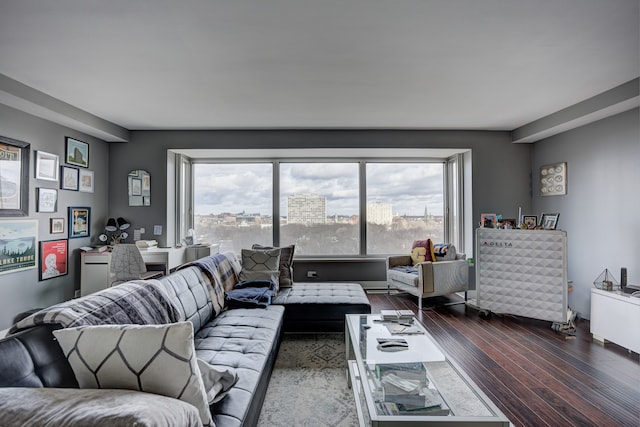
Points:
x=47, y=200
x=488, y=220
x=53, y=259
x=69, y=178
x=56, y=225
x=549, y=221
x=531, y=221
x=77, y=153
x=553, y=179
x=79, y=222
x=47, y=166
x=86, y=181
x=18, y=245
x=14, y=177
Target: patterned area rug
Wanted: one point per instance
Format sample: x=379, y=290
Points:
x=308, y=386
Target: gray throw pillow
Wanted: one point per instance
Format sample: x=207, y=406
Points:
x=261, y=265
x=286, y=263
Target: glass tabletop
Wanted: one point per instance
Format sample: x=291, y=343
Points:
x=405, y=373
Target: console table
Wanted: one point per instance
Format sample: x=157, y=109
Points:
x=615, y=317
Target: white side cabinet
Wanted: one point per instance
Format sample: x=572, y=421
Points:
x=615, y=317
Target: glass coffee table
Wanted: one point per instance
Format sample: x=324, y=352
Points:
x=411, y=382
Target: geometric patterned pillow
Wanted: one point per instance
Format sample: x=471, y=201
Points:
x=286, y=263
x=261, y=265
x=421, y=251
x=156, y=359
x=444, y=252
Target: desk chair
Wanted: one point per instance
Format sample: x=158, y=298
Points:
x=127, y=264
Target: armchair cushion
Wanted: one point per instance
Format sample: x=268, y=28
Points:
x=421, y=251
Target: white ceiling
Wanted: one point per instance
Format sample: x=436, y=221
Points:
x=428, y=64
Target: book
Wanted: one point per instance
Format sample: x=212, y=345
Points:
x=396, y=314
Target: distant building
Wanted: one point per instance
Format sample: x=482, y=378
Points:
x=379, y=213
x=306, y=209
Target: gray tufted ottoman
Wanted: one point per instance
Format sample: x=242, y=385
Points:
x=321, y=307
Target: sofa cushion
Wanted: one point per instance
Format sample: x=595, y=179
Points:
x=246, y=340
x=191, y=292
x=422, y=251
x=157, y=359
x=261, y=265
x=444, y=252
x=72, y=407
x=286, y=263
x=404, y=275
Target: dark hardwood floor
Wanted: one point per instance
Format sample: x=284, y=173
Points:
x=536, y=376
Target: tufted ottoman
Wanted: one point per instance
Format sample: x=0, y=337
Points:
x=321, y=307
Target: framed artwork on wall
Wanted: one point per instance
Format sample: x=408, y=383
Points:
x=77, y=153
x=79, y=222
x=553, y=179
x=69, y=179
x=14, y=177
x=47, y=200
x=86, y=181
x=18, y=245
x=56, y=225
x=53, y=259
x=47, y=166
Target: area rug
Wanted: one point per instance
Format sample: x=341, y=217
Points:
x=308, y=386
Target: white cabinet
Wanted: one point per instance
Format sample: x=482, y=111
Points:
x=94, y=266
x=615, y=317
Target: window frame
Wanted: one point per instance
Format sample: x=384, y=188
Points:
x=451, y=164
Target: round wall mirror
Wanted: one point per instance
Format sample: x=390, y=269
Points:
x=139, y=183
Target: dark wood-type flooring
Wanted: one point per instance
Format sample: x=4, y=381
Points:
x=537, y=377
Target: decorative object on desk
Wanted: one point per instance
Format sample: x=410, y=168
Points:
x=47, y=200
x=553, y=179
x=56, y=225
x=86, y=181
x=488, y=220
x=14, y=177
x=17, y=245
x=114, y=231
x=549, y=221
x=69, y=179
x=139, y=188
x=606, y=281
x=79, y=222
x=47, y=166
x=77, y=153
x=53, y=259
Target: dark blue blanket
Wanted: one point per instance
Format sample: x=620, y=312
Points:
x=248, y=298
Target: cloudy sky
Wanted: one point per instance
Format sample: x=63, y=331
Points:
x=234, y=188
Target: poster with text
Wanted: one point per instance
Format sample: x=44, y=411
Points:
x=17, y=245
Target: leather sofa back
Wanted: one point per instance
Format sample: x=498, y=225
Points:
x=32, y=358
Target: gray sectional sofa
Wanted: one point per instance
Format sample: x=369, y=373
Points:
x=244, y=339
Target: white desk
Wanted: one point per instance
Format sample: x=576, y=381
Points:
x=615, y=317
x=94, y=269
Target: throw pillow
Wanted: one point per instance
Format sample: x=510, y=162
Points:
x=286, y=263
x=260, y=265
x=156, y=359
x=421, y=251
x=444, y=252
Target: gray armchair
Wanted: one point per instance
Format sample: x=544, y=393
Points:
x=428, y=279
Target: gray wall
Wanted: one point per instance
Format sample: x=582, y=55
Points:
x=22, y=291
x=600, y=210
x=501, y=170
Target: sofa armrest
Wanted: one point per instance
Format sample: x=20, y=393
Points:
x=397, y=260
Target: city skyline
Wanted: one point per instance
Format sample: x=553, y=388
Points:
x=409, y=187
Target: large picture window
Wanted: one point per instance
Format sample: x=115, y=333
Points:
x=319, y=208
x=344, y=207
